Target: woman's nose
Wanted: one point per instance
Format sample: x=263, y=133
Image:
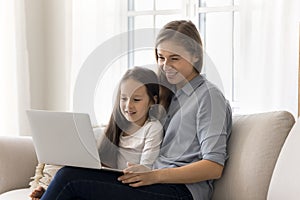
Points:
x=166, y=65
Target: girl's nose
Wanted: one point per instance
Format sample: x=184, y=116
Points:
x=129, y=104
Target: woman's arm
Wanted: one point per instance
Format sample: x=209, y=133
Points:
x=191, y=173
x=194, y=172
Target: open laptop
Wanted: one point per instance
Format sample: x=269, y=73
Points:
x=65, y=138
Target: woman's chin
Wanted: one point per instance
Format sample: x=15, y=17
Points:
x=172, y=79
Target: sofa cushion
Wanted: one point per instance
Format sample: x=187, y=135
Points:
x=285, y=179
x=253, y=148
x=16, y=194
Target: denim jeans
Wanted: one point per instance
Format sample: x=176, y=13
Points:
x=92, y=184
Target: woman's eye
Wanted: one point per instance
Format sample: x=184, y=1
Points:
x=161, y=58
x=137, y=99
x=123, y=99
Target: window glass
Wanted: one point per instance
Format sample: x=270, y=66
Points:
x=213, y=3
x=161, y=20
x=143, y=5
x=144, y=21
x=168, y=4
x=144, y=57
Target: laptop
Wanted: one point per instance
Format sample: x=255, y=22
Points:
x=65, y=138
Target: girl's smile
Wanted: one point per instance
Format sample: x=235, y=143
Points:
x=134, y=101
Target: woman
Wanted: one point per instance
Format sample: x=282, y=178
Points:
x=197, y=127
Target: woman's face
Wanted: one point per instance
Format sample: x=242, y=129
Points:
x=134, y=101
x=176, y=62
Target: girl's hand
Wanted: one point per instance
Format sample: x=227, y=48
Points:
x=131, y=167
x=37, y=193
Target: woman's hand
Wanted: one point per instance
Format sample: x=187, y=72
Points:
x=37, y=193
x=137, y=179
x=137, y=175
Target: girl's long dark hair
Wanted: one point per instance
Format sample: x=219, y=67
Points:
x=118, y=123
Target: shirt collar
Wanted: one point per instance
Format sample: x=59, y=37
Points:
x=191, y=86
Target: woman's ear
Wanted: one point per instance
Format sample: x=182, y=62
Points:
x=195, y=59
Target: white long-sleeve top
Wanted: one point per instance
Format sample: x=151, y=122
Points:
x=142, y=147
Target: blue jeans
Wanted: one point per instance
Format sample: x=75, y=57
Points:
x=90, y=184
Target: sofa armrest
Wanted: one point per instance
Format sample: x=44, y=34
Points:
x=17, y=162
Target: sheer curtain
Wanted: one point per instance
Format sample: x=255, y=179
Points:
x=34, y=60
x=269, y=55
x=14, y=74
x=41, y=43
x=95, y=23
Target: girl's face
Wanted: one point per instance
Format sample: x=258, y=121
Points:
x=134, y=101
x=176, y=62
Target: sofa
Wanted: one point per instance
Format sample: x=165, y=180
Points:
x=263, y=149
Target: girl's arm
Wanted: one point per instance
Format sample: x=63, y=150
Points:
x=153, y=139
x=195, y=172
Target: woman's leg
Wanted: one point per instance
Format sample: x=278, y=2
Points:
x=90, y=184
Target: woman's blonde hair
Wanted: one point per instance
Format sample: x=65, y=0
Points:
x=185, y=34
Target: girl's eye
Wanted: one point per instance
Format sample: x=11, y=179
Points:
x=161, y=58
x=123, y=99
x=137, y=99
x=175, y=58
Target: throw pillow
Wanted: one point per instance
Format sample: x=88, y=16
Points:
x=44, y=173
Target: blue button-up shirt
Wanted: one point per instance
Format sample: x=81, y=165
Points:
x=197, y=126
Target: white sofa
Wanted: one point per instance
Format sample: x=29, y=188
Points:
x=254, y=148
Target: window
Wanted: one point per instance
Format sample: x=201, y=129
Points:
x=217, y=21
x=219, y=28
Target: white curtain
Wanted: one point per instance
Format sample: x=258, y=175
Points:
x=14, y=74
x=94, y=23
x=34, y=60
x=39, y=47
x=268, y=72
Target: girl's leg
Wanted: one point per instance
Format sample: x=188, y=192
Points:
x=90, y=184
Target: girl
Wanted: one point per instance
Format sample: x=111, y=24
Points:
x=197, y=127
x=133, y=134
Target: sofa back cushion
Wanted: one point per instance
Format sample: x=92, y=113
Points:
x=253, y=148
